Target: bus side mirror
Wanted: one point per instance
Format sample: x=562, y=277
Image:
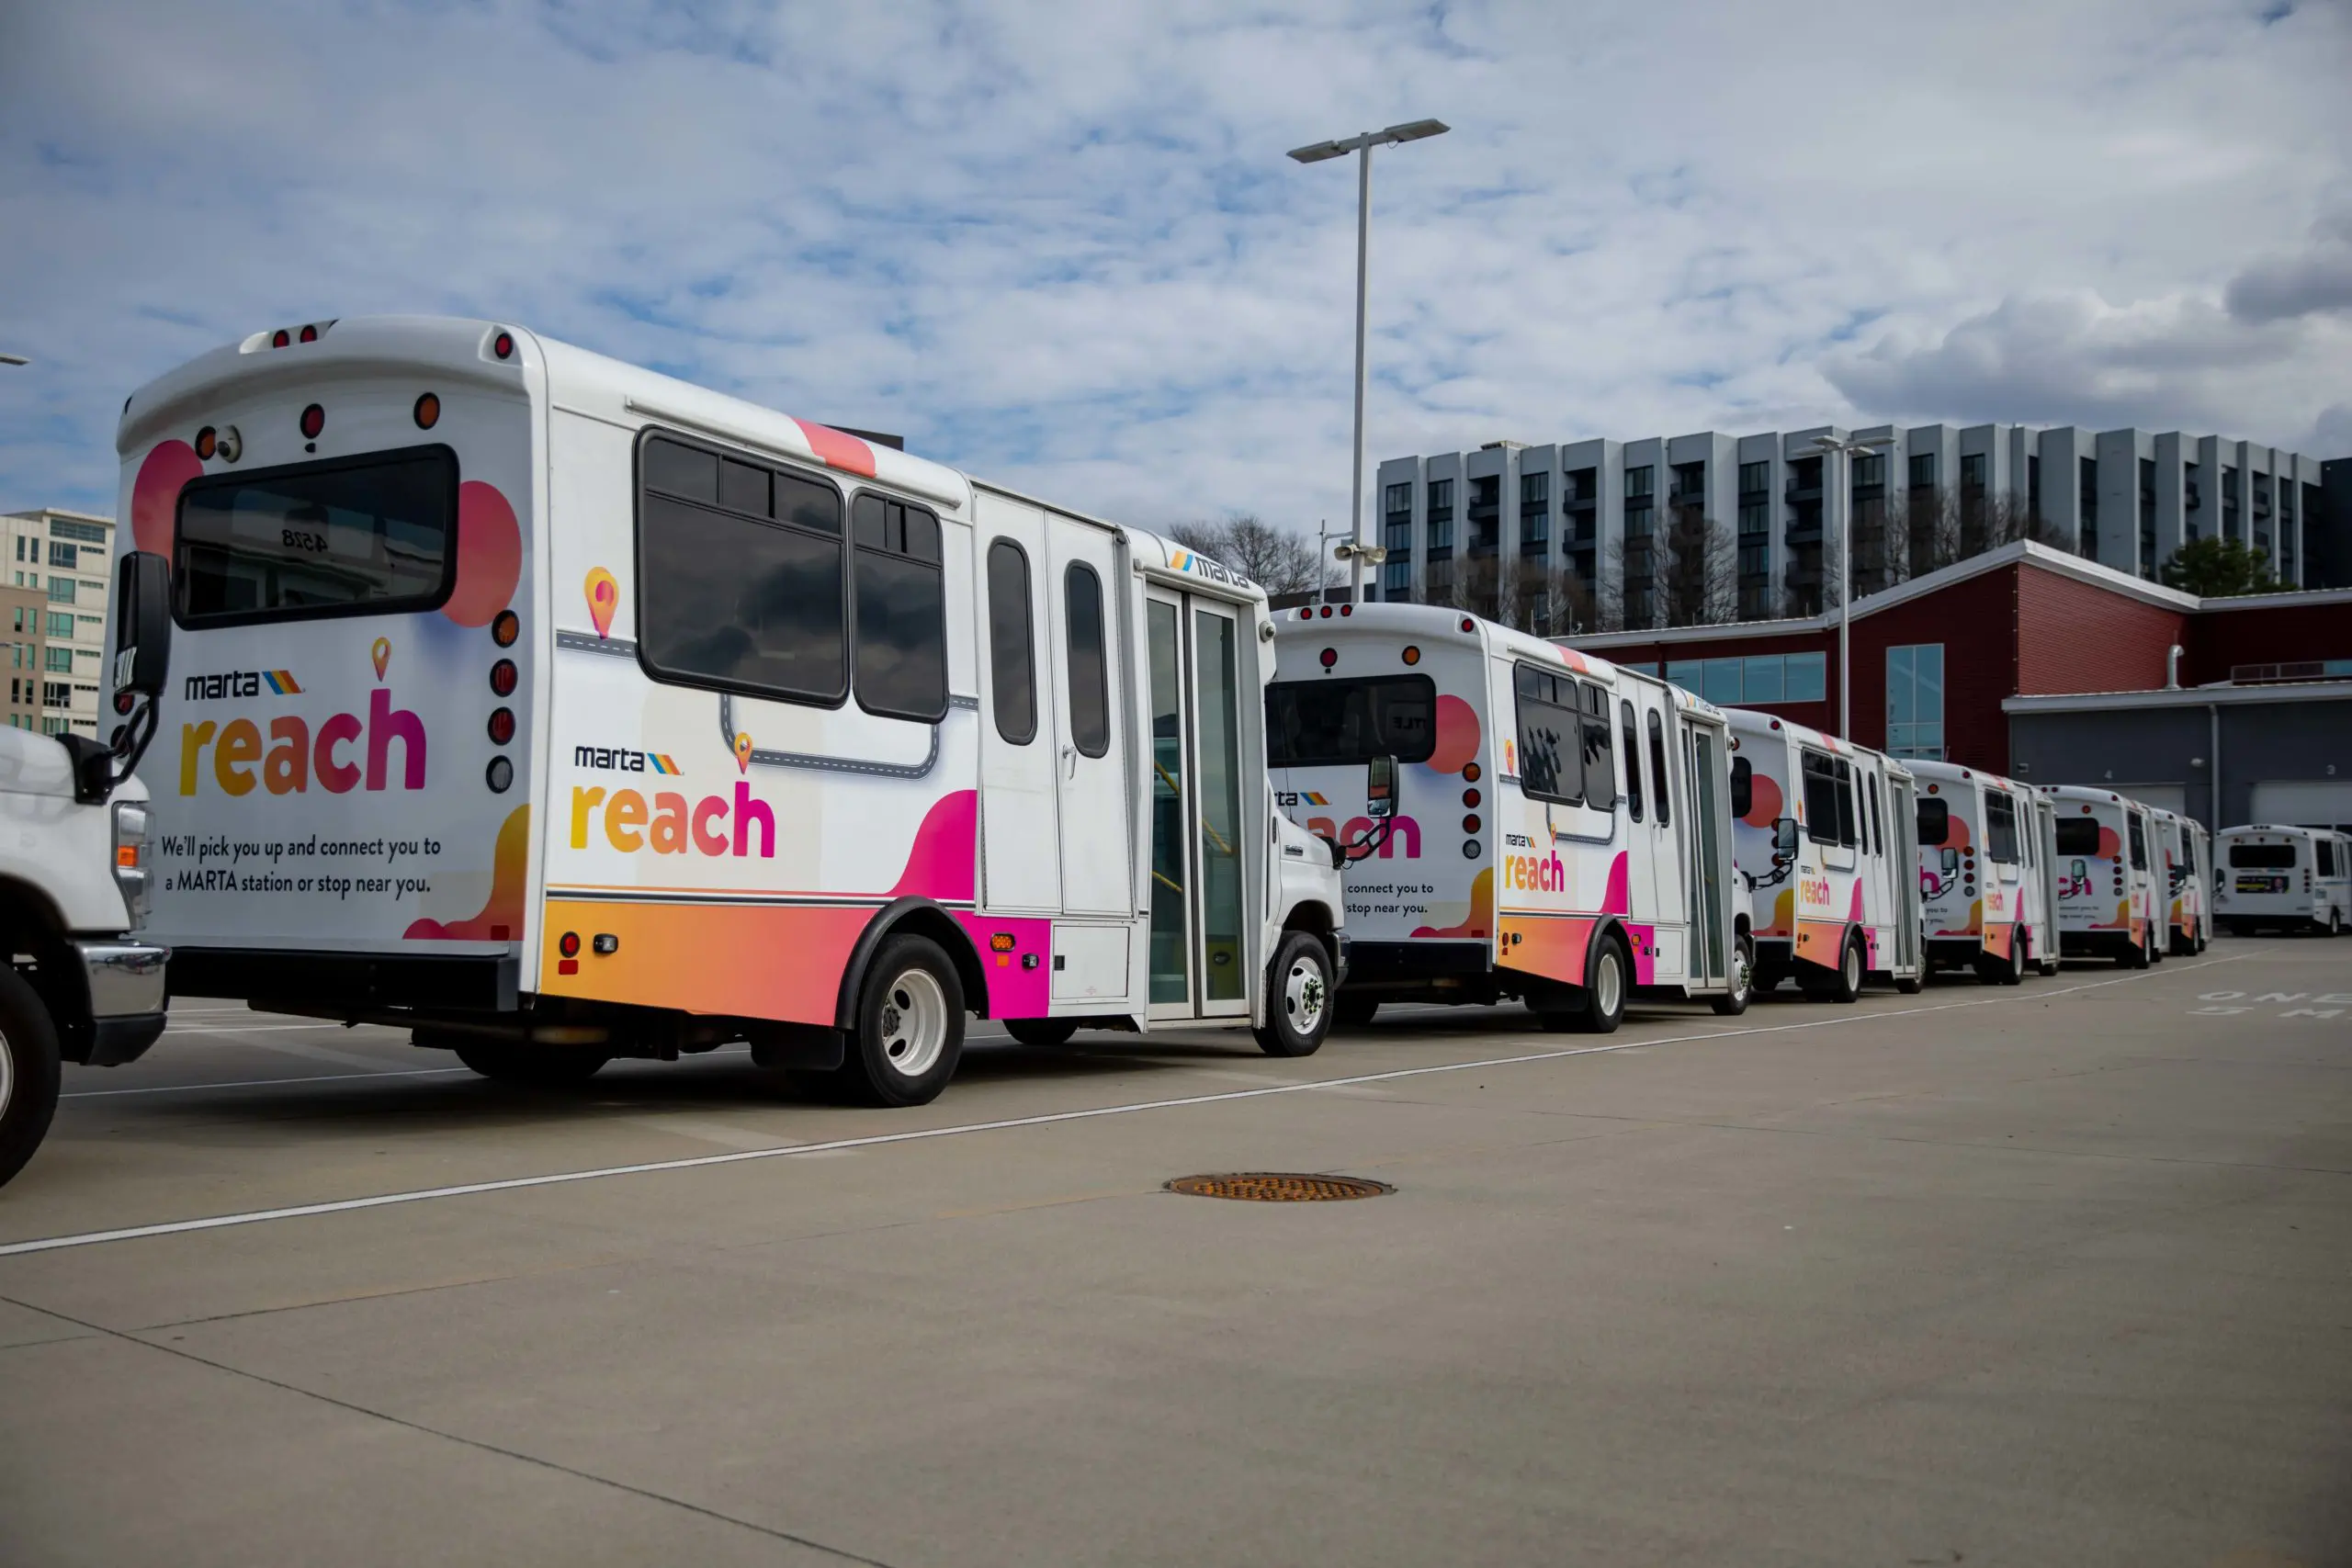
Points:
x=1784, y=836
x=143, y=621
x=1380, y=787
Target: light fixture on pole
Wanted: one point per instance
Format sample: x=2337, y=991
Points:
x=1844, y=452
x=1412, y=131
x=14, y=359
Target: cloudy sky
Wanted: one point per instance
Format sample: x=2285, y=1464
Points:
x=1060, y=245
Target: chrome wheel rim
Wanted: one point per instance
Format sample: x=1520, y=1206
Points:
x=1853, y=975
x=913, y=1024
x=1609, y=991
x=1305, y=995
x=1744, y=966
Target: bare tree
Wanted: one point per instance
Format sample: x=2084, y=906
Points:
x=1701, y=575
x=1931, y=529
x=1550, y=602
x=1274, y=559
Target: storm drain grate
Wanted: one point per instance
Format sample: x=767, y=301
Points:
x=1279, y=1187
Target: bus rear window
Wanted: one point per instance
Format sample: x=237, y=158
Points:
x=362, y=535
x=2262, y=857
x=2077, y=836
x=1320, y=724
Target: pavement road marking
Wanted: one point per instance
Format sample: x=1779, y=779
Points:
x=966, y=1129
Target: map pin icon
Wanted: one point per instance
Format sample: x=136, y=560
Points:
x=742, y=752
x=603, y=592
x=382, y=654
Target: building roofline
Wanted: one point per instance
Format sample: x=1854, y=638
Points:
x=31, y=512
x=2181, y=697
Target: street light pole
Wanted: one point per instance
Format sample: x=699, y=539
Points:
x=1844, y=452
x=1358, y=551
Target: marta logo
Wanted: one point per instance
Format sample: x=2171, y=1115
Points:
x=240, y=683
x=619, y=759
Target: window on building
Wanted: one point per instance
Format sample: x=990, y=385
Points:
x=1915, y=701
x=1396, y=579
x=902, y=611
x=1923, y=470
x=1534, y=512
x=1399, y=498
x=2087, y=474
x=1632, y=764
x=1870, y=470
x=61, y=590
x=1759, y=678
x=1637, y=482
x=54, y=724
x=1972, y=472
x=83, y=533
x=64, y=554
x=1440, y=518
x=59, y=659
x=743, y=581
x=61, y=624
x=1013, y=664
x=56, y=694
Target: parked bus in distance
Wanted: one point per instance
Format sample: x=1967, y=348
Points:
x=1984, y=873
x=2187, y=851
x=2282, y=878
x=2111, y=903
x=1822, y=833
x=1562, y=826
x=558, y=711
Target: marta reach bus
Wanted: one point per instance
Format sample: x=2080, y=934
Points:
x=560, y=710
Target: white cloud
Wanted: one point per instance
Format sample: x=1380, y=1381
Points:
x=1060, y=243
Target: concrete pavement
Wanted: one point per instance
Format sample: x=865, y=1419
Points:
x=2055, y=1274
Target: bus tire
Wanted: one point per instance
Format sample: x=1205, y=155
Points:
x=530, y=1066
x=1743, y=979
x=1044, y=1032
x=2134, y=955
x=29, y=1072
x=1911, y=985
x=1843, y=984
x=1354, y=1009
x=910, y=1026
x=1298, y=998
x=1609, y=980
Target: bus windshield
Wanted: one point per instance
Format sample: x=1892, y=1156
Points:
x=1316, y=724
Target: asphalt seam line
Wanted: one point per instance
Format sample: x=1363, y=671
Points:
x=474, y=1443
x=966, y=1129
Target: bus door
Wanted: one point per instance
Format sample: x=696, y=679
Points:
x=1199, y=940
x=1903, y=861
x=2045, y=876
x=1710, y=876
x=1020, y=830
x=1089, y=724
x=1673, y=889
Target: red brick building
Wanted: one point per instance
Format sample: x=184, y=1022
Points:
x=2023, y=620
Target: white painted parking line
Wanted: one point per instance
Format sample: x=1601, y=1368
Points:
x=966, y=1129
x=264, y=1083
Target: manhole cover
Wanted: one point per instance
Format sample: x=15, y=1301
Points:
x=1279, y=1187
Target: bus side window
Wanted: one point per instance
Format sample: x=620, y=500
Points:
x=901, y=610
x=1089, y=683
x=2139, y=841
x=1849, y=830
x=1820, y=798
x=1878, y=827
x=1632, y=764
x=2326, y=848
x=1013, y=672
x=1743, y=788
x=1657, y=768
x=1600, y=767
x=1549, y=745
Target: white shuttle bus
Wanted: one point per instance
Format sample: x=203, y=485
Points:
x=2187, y=851
x=2111, y=898
x=1562, y=828
x=560, y=711
x=1984, y=873
x=2281, y=878
x=1822, y=834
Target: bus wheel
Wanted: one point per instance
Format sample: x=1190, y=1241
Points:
x=910, y=1026
x=1298, y=998
x=29, y=1072
x=1354, y=1009
x=1743, y=982
x=1604, y=1007
x=530, y=1066
x=1912, y=984
x=1041, y=1032
x=2134, y=955
x=1843, y=984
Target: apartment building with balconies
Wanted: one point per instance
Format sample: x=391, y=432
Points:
x=67, y=559
x=1711, y=528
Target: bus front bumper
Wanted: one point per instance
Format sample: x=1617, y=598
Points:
x=124, y=981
